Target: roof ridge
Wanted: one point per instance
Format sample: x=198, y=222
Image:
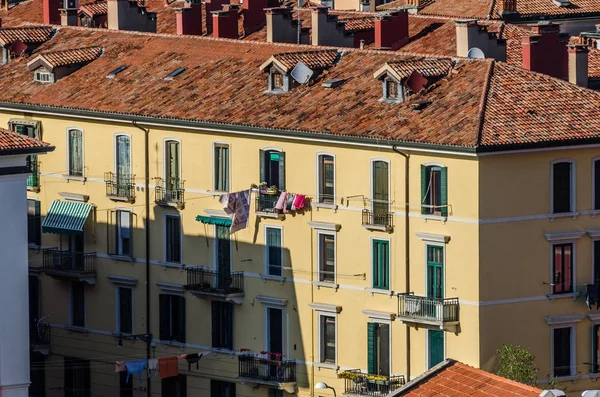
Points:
x=501, y=378
x=483, y=103
x=92, y=47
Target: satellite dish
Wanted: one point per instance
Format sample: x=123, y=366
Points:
x=302, y=73
x=591, y=393
x=475, y=53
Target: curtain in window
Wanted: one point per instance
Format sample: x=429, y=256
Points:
x=75, y=153
x=274, y=251
x=563, y=268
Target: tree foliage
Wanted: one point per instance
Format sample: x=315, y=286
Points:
x=517, y=363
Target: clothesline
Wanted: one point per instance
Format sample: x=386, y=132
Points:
x=165, y=367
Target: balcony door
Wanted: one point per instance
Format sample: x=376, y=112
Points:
x=435, y=343
x=274, y=338
x=75, y=253
x=223, y=256
x=123, y=165
x=378, y=349
x=435, y=280
x=172, y=173
x=380, y=192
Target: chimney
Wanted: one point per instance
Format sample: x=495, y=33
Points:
x=578, y=64
x=546, y=51
x=210, y=6
x=508, y=10
x=51, y=11
x=254, y=14
x=280, y=28
x=189, y=18
x=68, y=17
x=225, y=22
x=391, y=30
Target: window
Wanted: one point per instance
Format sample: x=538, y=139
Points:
x=43, y=76
x=380, y=192
x=78, y=304
x=222, y=325
x=75, y=146
x=125, y=386
x=392, y=90
x=172, y=317
x=123, y=165
x=223, y=255
x=277, y=81
x=596, y=170
x=123, y=233
x=272, y=168
x=173, y=239
x=561, y=345
x=34, y=222
x=175, y=386
x=30, y=129
x=595, y=364
x=221, y=169
x=125, y=310
x=562, y=268
x=174, y=73
x=327, y=324
x=326, y=250
x=378, y=349
x=596, y=256
x=381, y=264
x=434, y=190
x=77, y=377
x=274, y=252
x=435, y=272
x=562, y=187
x=326, y=193
x=221, y=389
x=172, y=162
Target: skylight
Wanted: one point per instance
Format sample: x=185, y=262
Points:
x=118, y=70
x=174, y=73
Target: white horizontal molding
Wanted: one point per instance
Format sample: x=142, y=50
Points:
x=436, y=238
x=334, y=227
x=122, y=281
x=217, y=213
x=379, y=315
x=593, y=233
x=271, y=300
x=565, y=319
x=74, y=196
x=325, y=307
x=171, y=288
x=565, y=236
x=594, y=317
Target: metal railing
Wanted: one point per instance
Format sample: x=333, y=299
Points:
x=39, y=334
x=169, y=191
x=33, y=180
x=428, y=309
x=120, y=186
x=76, y=263
x=377, y=218
x=371, y=385
x=271, y=370
x=266, y=202
x=204, y=280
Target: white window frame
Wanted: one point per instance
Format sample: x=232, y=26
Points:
x=267, y=333
x=389, y=323
x=319, y=175
x=43, y=72
x=118, y=308
x=321, y=334
x=597, y=158
x=428, y=243
x=164, y=145
x=573, y=186
x=119, y=245
x=215, y=253
x=371, y=241
x=68, y=145
x=320, y=265
x=559, y=239
x=71, y=305
x=266, y=249
x=116, y=135
x=172, y=215
x=573, y=347
x=372, y=182
x=215, y=144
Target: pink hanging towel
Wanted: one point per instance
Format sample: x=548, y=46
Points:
x=120, y=366
x=281, y=201
x=299, y=201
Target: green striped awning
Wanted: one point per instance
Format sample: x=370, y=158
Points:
x=213, y=220
x=66, y=217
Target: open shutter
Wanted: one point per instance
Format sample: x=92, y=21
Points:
x=163, y=303
x=111, y=232
x=215, y=323
x=371, y=348
x=132, y=218
x=181, y=319
x=423, y=188
x=281, y=171
x=444, y=190
x=261, y=166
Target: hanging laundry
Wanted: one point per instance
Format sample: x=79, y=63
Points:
x=120, y=366
x=290, y=202
x=182, y=356
x=135, y=367
x=299, y=201
x=237, y=204
x=152, y=367
x=281, y=201
x=229, y=202
x=167, y=367
x=193, y=359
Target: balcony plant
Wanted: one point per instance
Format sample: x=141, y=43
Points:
x=352, y=375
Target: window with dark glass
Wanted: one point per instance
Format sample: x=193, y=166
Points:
x=562, y=185
x=326, y=257
x=326, y=179
x=34, y=222
x=78, y=304
x=172, y=317
x=125, y=310
x=221, y=389
x=125, y=385
x=562, y=351
x=77, y=377
x=272, y=168
x=222, y=325
x=274, y=260
x=562, y=268
x=434, y=190
x=175, y=386
x=221, y=167
x=595, y=364
x=327, y=339
x=173, y=239
x=75, y=152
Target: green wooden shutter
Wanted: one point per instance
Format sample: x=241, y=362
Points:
x=375, y=253
x=261, y=166
x=181, y=324
x=444, y=190
x=423, y=188
x=372, y=348
x=281, y=171
x=163, y=303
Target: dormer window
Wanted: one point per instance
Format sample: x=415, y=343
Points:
x=393, y=91
x=278, y=82
x=43, y=76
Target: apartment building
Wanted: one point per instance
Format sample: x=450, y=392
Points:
x=449, y=208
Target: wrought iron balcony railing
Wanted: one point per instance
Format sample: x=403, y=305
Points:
x=169, y=191
x=213, y=282
x=39, y=334
x=266, y=202
x=383, y=220
x=431, y=310
x=69, y=263
x=120, y=187
x=357, y=383
x=267, y=369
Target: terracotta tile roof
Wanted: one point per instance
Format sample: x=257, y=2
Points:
x=358, y=24
x=594, y=64
x=27, y=11
x=454, y=379
x=478, y=9
x=11, y=142
x=320, y=59
x=70, y=56
x=94, y=9
x=532, y=9
x=28, y=34
x=427, y=67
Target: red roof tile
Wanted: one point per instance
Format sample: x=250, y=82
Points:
x=94, y=9
x=12, y=142
x=455, y=379
x=69, y=57
x=530, y=9
x=427, y=67
x=320, y=59
x=28, y=34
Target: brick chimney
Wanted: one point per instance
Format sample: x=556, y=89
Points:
x=254, y=14
x=546, y=51
x=508, y=9
x=225, y=22
x=189, y=18
x=469, y=34
x=51, y=11
x=280, y=27
x=578, y=64
x=210, y=6
x=391, y=30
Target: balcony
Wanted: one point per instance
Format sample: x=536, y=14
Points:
x=273, y=373
x=33, y=180
x=169, y=193
x=120, y=188
x=206, y=283
x=359, y=384
x=382, y=221
x=429, y=312
x=39, y=338
x=69, y=265
x=265, y=205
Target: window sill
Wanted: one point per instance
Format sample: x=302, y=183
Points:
x=333, y=207
x=73, y=328
x=563, y=215
x=441, y=218
x=573, y=295
x=34, y=189
x=379, y=291
x=334, y=367
x=266, y=277
x=173, y=343
x=81, y=179
x=380, y=228
x=274, y=215
x=325, y=284
x=172, y=265
x=122, y=258
x=216, y=193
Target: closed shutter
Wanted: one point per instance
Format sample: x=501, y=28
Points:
x=229, y=328
x=181, y=319
x=123, y=159
x=215, y=324
x=281, y=171
x=424, y=210
x=111, y=232
x=261, y=166
x=164, y=314
x=372, y=348
x=444, y=191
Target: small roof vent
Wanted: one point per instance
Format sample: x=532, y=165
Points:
x=118, y=70
x=174, y=73
x=302, y=73
x=333, y=83
x=561, y=3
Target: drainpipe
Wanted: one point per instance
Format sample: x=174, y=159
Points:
x=406, y=246
x=147, y=246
